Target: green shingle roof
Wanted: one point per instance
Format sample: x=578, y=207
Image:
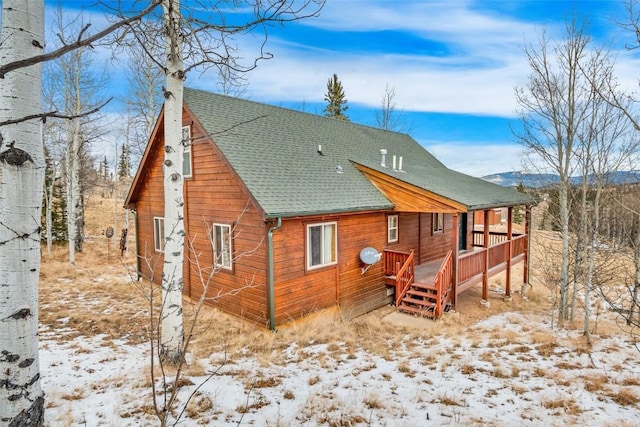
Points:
x=275, y=152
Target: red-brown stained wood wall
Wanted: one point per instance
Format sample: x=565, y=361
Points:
x=214, y=196
x=415, y=234
x=300, y=291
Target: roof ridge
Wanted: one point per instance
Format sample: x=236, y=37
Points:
x=291, y=110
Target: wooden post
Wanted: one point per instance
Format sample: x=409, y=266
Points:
x=454, y=251
x=527, y=231
x=485, y=270
x=507, y=290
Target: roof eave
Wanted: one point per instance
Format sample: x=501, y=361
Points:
x=295, y=214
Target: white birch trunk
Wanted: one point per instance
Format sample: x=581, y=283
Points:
x=564, y=260
x=49, y=214
x=21, y=397
x=74, y=196
x=591, y=267
x=71, y=230
x=171, y=325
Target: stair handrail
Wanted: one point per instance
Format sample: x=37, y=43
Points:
x=405, y=277
x=444, y=271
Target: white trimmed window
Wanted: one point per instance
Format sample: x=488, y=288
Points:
x=186, y=144
x=158, y=234
x=392, y=228
x=322, y=244
x=222, y=245
x=437, y=222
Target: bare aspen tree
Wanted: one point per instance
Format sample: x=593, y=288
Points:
x=76, y=89
x=171, y=326
x=607, y=146
x=21, y=182
x=145, y=80
x=388, y=117
x=553, y=107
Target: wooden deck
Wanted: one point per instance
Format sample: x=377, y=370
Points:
x=430, y=288
x=426, y=273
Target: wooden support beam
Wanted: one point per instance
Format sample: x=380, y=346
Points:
x=507, y=290
x=527, y=230
x=485, y=244
x=454, y=251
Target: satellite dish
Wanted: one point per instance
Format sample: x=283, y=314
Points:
x=370, y=255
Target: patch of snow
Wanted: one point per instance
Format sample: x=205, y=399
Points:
x=494, y=374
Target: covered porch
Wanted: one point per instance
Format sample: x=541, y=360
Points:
x=431, y=288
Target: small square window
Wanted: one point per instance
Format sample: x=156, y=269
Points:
x=322, y=244
x=437, y=222
x=186, y=144
x=392, y=228
x=158, y=234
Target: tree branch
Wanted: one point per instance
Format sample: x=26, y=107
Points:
x=80, y=42
x=54, y=114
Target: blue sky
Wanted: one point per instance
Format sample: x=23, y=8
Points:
x=453, y=64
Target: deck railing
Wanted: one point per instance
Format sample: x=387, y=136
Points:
x=393, y=261
x=495, y=237
x=443, y=284
x=404, y=278
x=471, y=265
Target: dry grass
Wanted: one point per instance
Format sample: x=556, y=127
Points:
x=624, y=396
x=595, y=383
x=372, y=401
x=562, y=406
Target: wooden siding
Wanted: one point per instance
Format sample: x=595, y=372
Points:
x=415, y=234
x=215, y=195
x=299, y=291
x=360, y=293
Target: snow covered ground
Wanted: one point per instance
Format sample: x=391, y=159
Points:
x=510, y=369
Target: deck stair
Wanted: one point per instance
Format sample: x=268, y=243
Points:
x=420, y=299
x=425, y=293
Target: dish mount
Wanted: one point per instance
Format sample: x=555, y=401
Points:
x=369, y=256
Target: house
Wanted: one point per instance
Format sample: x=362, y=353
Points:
x=300, y=212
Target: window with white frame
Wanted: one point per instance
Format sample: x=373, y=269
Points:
x=437, y=222
x=322, y=244
x=186, y=144
x=392, y=228
x=222, y=245
x=158, y=234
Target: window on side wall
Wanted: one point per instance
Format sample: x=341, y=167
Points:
x=322, y=244
x=158, y=234
x=222, y=246
x=186, y=144
x=437, y=222
x=392, y=228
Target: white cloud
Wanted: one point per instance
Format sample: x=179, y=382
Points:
x=478, y=78
x=478, y=159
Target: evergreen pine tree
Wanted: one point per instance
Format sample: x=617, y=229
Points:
x=336, y=102
x=48, y=177
x=124, y=165
x=105, y=168
x=59, y=213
